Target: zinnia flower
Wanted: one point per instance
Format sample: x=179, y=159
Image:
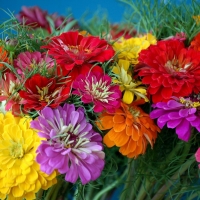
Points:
x=3, y=57
x=26, y=62
x=33, y=16
x=130, y=129
x=96, y=88
x=131, y=88
x=41, y=91
x=9, y=86
x=71, y=146
x=197, y=156
x=77, y=53
x=129, y=49
x=180, y=114
x=169, y=69
x=20, y=175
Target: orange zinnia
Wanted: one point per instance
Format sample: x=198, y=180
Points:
x=3, y=57
x=130, y=129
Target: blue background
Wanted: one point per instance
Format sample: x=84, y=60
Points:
x=113, y=8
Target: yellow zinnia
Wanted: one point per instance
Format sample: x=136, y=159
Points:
x=129, y=49
x=20, y=175
x=129, y=86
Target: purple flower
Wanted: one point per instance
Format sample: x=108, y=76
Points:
x=96, y=88
x=71, y=146
x=181, y=114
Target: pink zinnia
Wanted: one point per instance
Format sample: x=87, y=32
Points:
x=70, y=146
x=26, y=62
x=97, y=88
x=197, y=156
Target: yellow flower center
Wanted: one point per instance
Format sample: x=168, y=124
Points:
x=16, y=150
x=189, y=103
x=43, y=94
x=134, y=113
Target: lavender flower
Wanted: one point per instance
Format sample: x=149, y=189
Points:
x=71, y=145
x=181, y=114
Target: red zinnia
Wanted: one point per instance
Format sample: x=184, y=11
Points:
x=77, y=53
x=41, y=91
x=169, y=69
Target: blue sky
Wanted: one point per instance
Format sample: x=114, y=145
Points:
x=113, y=8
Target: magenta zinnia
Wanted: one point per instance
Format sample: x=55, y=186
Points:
x=77, y=53
x=96, y=88
x=169, y=69
x=26, y=62
x=71, y=146
x=180, y=114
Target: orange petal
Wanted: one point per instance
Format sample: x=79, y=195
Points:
x=129, y=130
x=118, y=119
x=128, y=147
x=105, y=122
x=136, y=133
x=107, y=141
x=119, y=127
x=119, y=138
x=129, y=121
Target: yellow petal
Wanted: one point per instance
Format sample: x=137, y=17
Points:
x=124, y=63
x=128, y=97
x=17, y=191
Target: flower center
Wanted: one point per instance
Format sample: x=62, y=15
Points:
x=77, y=49
x=69, y=137
x=43, y=94
x=16, y=150
x=189, y=103
x=134, y=112
x=174, y=66
x=98, y=90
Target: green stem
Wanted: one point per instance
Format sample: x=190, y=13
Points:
x=114, y=184
x=169, y=183
x=51, y=192
x=135, y=190
x=39, y=194
x=144, y=188
x=57, y=189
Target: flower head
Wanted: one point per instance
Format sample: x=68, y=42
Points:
x=20, y=175
x=71, y=146
x=77, y=53
x=180, y=114
x=96, y=88
x=33, y=16
x=129, y=49
x=26, y=62
x=41, y=91
x=169, y=69
x=132, y=89
x=130, y=129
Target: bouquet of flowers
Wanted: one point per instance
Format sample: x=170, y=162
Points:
x=94, y=110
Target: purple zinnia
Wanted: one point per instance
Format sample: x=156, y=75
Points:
x=72, y=147
x=97, y=88
x=181, y=114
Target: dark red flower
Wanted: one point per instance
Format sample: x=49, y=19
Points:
x=169, y=69
x=41, y=91
x=33, y=16
x=76, y=53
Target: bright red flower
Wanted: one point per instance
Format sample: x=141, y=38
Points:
x=41, y=91
x=169, y=69
x=77, y=53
